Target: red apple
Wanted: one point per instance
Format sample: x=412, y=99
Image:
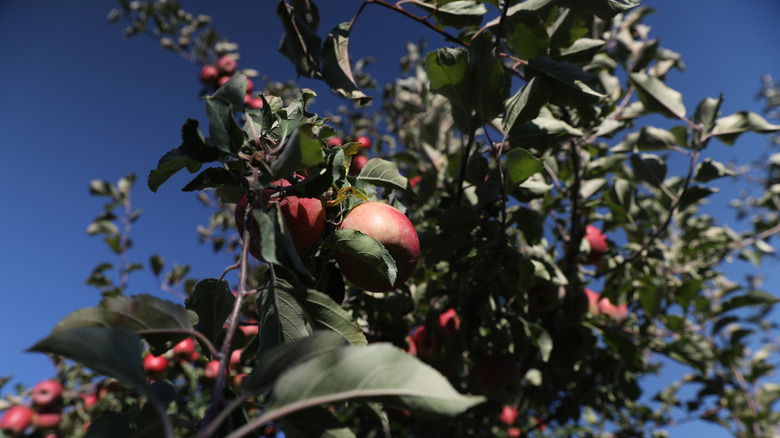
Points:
x=358, y=163
x=513, y=432
x=411, y=347
x=426, y=344
x=449, y=322
x=155, y=366
x=209, y=75
x=364, y=141
x=508, y=415
x=617, y=312
x=304, y=217
x=46, y=419
x=498, y=376
x=235, y=359
x=222, y=80
x=184, y=349
x=250, y=86
x=413, y=181
x=393, y=230
x=47, y=393
x=16, y=420
x=598, y=244
x=334, y=141
x=212, y=370
x=254, y=102
x=593, y=302
x=89, y=399
x=249, y=329
x=227, y=65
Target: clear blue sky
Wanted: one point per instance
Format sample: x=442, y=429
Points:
x=79, y=102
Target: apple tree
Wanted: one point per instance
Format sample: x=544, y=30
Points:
x=505, y=242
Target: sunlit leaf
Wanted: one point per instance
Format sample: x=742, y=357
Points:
x=657, y=97
x=383, y=173
x=365, y=248
x=336, y=68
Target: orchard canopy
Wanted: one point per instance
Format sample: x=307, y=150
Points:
x=502, y=242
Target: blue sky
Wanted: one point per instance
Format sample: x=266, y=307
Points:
x=80, y=102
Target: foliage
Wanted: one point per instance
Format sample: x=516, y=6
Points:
x=500, y=148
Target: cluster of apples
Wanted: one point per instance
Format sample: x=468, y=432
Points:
x=305, y=220
x=215, y=76
x=44, y=416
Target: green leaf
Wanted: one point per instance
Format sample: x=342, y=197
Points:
x=277, y=246
x=657, y=97
x=212, y=177
x=447, y=70
x=694, y=194
x=602, y=8
x=728, y=128
x=300, y=43
x=212, y=301
x=542, y=132
x=751, y=298
x=326, y=314
x=520, y=165
x=194, y=144
x=102, y=227
x=648, y=138
x=157, y=263
x=377, y=372
x=525, y=105
x=233, y=91
x=225, y=132
x=302, y=150
x=457, y=14
x=366, y=248
x=336, y=66
x=279, y=359
x=172, y=162
x=709, y=170
x=707, y=112
x=282, y=318
x=138, y=313
x=649, y=168
x=566, y=79
x=383, y=173
x=114, y=352
x=490, y=83
x=694, y=350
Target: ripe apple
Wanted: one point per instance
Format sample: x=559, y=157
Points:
x=413, y=181
x=16, y=420
x=449, y=323
x=47, y=393
x=513, y=432
x=598, y=244
x=235, y=359
x=184, y=349
x=254, y=102
x=250, y=86
x=334, y=141
x=209, y=75
x=304, y=217
x=364, y=141
x=411, y=347
x=498, y=376
x=249, y=329
x=593, y=302
x=155, y=366
x=211, y=370
x=227, y=65
x=508, y=415
x=426, y=344
x=46, y=419
x=616, y=312
x=358, y=163
x=222, y=80
x=393, y=230
x=89, y=399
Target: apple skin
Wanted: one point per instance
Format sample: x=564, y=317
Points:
x=508, y=415
x=393, y=230
x=227, y=65
x=413, y=181
x=212, y=370
x=16, y=420
x=598, y=244
x=254, y=102
x=358, y=163
x=222, y=80
x=513, y=432
x=364, y=140
x=209, y=75
x=617, y=313
x=593, y=302
x=333, y=142
x=304, y=217
x=498, y=376
x=184, y=349
x=155, y=366
x=426, y=344
x=47, y=393
x=46, y=420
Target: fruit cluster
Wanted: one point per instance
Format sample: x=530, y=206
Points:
x=215, y=76
x=44, y=416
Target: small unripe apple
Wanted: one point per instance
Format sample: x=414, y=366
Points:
x=209, y=75
x=184, y=349
x=393, y=230
x=508, y=415
x=358, y=163
x=155, y=366
x=46, y=419
x=47, y=393
x=227, y=65
x=211, y=371
x=598, y=244
x=498, y=376
x=16, y=420
x=333, y=142
x=364, y=141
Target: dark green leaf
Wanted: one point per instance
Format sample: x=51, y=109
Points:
x=157, y=263
x=709, y=169
x=212, y=177
x=282, y=318
x=525, y=105
x=365, y=248
x=302, y=150
x=657, y=97
x=707, y=112
x=520, y=165
x=383, y=173
x=194, y=144
x=225, y=132
x=336, y=65
x=751, y=298
x=276, y=244
x=649, y=168
x=447, y=70
x=457, y=14
x=212, y=301
x=233, y=91
x=326, y=314
x=172, y=162
x=300, y=43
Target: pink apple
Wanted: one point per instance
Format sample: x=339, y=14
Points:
x=508, y=415
x=209, y=75
x=16, y=420
x=593, y=302
x=333, y=142
x=212, y=370
x=227, y=65
x=47, y=393
x=222, y=80
x=184, y=349
x=598, y=244
x=364, y=141
x=393, y=230
x=155, y=366
x=47, y=419
x=358, y=163
x=616, y=312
